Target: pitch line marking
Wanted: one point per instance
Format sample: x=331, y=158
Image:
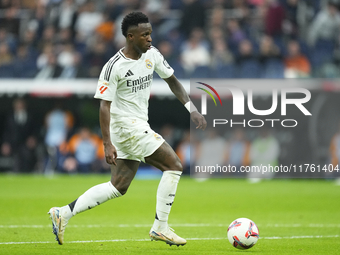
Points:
x=312, y=225
x=191, y=239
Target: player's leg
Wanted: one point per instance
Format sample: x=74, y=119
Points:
x=121, y=176
x=165, y=159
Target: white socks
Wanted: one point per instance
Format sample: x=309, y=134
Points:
x=103, y=192
x=94, y=196
x=165, y=197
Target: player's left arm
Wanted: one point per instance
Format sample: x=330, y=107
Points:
x=179, y=91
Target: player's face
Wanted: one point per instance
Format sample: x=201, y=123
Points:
x=142, y=37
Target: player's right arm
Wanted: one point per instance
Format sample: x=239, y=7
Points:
x=106, y=89
x=104, y=120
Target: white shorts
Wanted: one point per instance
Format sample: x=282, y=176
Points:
x=135, y=141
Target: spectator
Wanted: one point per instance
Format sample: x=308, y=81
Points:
x=6, y=56
x=106, y=29
x=38, y=21
x=268, y=50
x=29, y=39
x=19, y=127
x=96, y=58
x=326, y=25
x=193, y=16
x=264, y=150
x=86, y=148
x=51, y=69
x=6, y=158
x=11, y=21
x=205, y=156
x=274, y=17
x=221, y=55
x=114, y=8
x=195, y=53
x=43, y=57
x=246, y=52
x=239, y=150
x=66, y=56
x=58, y=123
x=8, y=39
x=25, y=63
x=167, y=51
x=65, y=36
x=5, y=4
x=236, y=35
x=88, y=20
x=75, y=69
x=290, y=25
x=241, y=9
x=66, y=14
x=216, y=33
x=296, y=64
x=217, y=17
x=48, y=37
x=31, y=154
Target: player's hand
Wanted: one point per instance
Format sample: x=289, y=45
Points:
x=199, y=120
x=110, y=154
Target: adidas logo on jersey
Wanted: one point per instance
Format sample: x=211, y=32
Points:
x=129, y=73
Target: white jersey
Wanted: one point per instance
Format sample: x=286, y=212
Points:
x=127, y=83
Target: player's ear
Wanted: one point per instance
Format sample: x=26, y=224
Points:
x=129, y=36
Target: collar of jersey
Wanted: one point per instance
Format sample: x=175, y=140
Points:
x=123, y=55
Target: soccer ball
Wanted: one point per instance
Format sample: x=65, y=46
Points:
x=243, y=233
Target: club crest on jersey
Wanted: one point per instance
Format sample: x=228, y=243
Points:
x=148, y=64
x=158, y=137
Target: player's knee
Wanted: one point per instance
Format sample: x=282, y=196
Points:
x=178, y=165
x=122, y=186
x=123, y=190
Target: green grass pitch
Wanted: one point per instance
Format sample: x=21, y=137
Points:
x=293, y=216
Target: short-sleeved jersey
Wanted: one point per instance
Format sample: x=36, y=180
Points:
x=127, y=83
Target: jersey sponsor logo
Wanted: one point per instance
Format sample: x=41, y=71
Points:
x=148, y=64
x=129, y=73
x=102, y=89
x=139, y=81
x=140, y=84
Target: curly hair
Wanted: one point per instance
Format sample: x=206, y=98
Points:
x=133, y=19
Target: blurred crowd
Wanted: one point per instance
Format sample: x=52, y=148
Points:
x=65, y=39
x=199, y=38
x=61, y=143
x=57, y=145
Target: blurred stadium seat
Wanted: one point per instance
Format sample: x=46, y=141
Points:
x=273, y=69
x=202, y=72
x=225, y=71
x=249, y=69
x=7, y=71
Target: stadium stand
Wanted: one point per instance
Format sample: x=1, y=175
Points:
x=32, y=30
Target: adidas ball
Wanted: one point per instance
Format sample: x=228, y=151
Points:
x=243, y=233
